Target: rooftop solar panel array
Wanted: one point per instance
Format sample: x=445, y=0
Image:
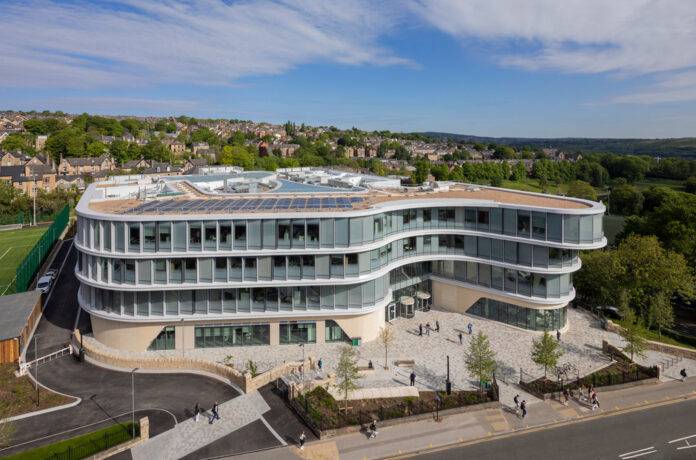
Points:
x=243, y=205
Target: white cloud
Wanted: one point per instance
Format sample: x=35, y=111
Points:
x=619, y=37
x=87, y=45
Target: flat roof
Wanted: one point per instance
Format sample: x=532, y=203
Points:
x=195, y=202
x=15, y=310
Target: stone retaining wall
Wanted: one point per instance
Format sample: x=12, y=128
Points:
x=657, y=346
x=144, y=436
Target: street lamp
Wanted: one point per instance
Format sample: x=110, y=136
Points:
x=34, y=190
x=133, y=402
x=36, y=369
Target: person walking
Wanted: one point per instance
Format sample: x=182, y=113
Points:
x=216, y=414
x=303, y=438
x=460, y=339
x=523, y=408
x=427, y=329
x=595, y=401
x=516, y=399
x=196, y=412
x=420, y=330
x=470, y=327
x=413, y=378
x=437, y=325
x=683, y=374
x=373, y=429
x=320, y=364
x=558, y=335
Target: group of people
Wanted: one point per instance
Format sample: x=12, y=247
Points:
x=428, y=328
x=520, y=406
x=215, y=414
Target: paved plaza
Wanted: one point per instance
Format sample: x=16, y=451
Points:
x=581, y=343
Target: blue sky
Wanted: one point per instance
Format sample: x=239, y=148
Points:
x=539, y=68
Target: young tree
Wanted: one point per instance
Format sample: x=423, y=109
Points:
x=661, y=313
x=546, y=351
x=635, y=343
x=480, y=359
x=386, y=336
x=347, y=372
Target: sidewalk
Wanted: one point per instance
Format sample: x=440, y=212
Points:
x=473, y=426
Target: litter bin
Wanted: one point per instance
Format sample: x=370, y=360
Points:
x=355, y=341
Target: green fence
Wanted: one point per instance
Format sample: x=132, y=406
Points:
x=32, y=262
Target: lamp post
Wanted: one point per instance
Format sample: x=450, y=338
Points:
x=34, y=194
x=448, y=384
x=183, y=341
x=133, y=402
x=36, y=370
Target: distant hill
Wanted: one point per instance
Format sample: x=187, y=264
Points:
x=682, y=147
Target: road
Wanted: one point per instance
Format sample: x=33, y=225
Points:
x=106, y=394
x=644, y=434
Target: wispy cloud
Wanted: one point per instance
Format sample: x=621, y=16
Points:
x=618, y=37
x=209, y=42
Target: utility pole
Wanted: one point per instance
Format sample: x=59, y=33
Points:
x=34, y=187
x=133, y=402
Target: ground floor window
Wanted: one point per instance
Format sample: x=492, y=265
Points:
x=334, y=332
x=234, y=335
x=164, y=340
x=298, y=332
x=525, y=318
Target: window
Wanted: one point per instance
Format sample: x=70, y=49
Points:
x=510, y=221
x=427, y=216
x=160, y=271
x=409, y=245
x=149, y=237
x=337, y=266
x=164, y=230
x=107, y=235
x=120, y=240
x=483, y=219
x=195, y=235
x=250, y=268
x=554, y=227
x=298, y=234
x=190, y=270
x=571, y=229
x=298, y=332
x=235, y=268
x=179, y=236
x=144, y=271
x=239, y=234
x=165, y=340
x=176, y=271
x=334, y=332
x=377, y=226
x=470, y=218
x=210, y=235
x=220, y=269
x=134, y=237
x=539, y=225
x=279, y=267
x=284, y=234
x=313, y=234
x=351, y=264
x=130, y=271
x=523, y=224
x=308, y=266
x=236, y=335
x=205, y=270
x=225, y=235
x=295, y=267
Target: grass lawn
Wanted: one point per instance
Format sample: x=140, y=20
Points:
x=532, y=185
x=18, y=395
x=14, y=246
x=674, y=184
x=655, y=337
x=81, y=446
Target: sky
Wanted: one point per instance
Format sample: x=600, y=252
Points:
x=522, y=68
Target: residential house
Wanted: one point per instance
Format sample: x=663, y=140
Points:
x=284, y=150
x=40, y=142
x=163, y=169
x=15, y=158
x=135, y=164
x=198, y=146
x=29, y=177
x=86, y=165
x=192, y=163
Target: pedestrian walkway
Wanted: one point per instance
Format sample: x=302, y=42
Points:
x=480, y=425
x=189, y=435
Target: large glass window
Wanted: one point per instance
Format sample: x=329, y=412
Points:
x=225, y=235
x=134, y=237
x=195, y=236
x=180, y=236
x=298, y=234
x=283, y=236
x=164, y=238
x=165, y=340
x=234, y=335
x=160, y=271
x=312, y=233
x=334, y=332
x=240, y=235
x=523, y=224
x=571, y=229
x=515, y=315
x=539, y=225
x=149, y=237
x=210, y=236
x=298, y=332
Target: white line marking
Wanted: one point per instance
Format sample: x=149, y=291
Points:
x=686, y=447
x=274, y=432
x=647, y=452
x=8, y=250
x=636, y=451
x=682, y=439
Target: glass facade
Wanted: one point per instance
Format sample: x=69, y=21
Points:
x=298, y=332
x=165, y=340
x=514, y=315
x=334, y=332
x=233, y=335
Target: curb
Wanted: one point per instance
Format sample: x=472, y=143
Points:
x=532, y=429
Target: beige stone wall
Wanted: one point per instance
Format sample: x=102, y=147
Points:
x=459, y=299
x=127, y=336
x=365, y=326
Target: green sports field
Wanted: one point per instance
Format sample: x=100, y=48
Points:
x=14, y=246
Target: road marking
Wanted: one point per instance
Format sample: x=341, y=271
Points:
x=685, y=439
x=638, y=453
x=8, y=250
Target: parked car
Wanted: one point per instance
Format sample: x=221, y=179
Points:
x=51, y=272
x=44, y=284
x=610, y=312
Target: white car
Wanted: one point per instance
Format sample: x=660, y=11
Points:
x=44, y=284
x=51, y=272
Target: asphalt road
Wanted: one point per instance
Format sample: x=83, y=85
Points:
x=106, y=394
x=644, y=434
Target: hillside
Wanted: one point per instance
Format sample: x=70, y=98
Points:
x=683, y=147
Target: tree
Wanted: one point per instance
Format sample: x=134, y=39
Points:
x=519, y=172
x=661, y=313
x=347, y=372
x=546, y=351
x=626, y=200
x=386, y=337
x=422, y=171
x=690, y=185
x=581, y=189
x=480, y=359
x=635, y=343
x=237, y=156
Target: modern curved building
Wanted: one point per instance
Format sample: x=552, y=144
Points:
x=318, y=256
